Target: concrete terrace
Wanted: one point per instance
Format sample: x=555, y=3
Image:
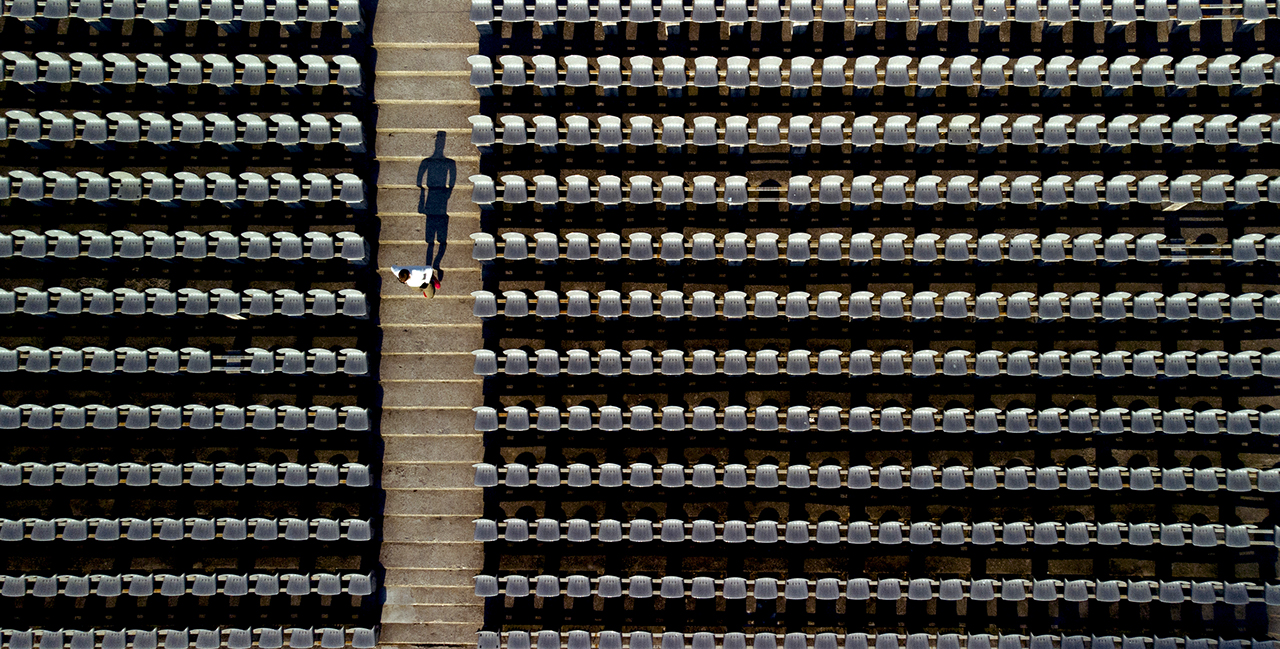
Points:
x=426, y=377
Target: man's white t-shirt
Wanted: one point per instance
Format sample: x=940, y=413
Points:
x=420, y=276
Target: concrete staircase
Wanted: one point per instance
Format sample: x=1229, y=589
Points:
x=428, y=388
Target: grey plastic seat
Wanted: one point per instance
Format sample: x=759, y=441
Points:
x=982, y=590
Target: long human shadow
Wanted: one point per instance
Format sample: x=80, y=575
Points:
x=437, y=176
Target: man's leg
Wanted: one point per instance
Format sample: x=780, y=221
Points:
x=429, y=236
x=437, y=233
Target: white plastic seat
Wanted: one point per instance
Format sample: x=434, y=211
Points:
x=865, y=72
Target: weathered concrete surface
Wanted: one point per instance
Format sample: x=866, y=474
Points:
x=421, y=88
x=408, y=229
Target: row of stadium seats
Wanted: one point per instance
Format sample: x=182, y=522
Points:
x=218, y=244
x=188, y=301
x=862, y=247
x=227, y=14
x=260, y=584
x=862, y=305
x=924, y=131
x=216, y=638
x=669, y=530
x=151, y=129
x=194, y=474
x=579, y=639
x=182, y=187
x=190, y=360
x=890, y=362
x=52, y=126
x=119, y=71
x=178, y=529
x=861, y=589
x=673, y=13
x=190, y=417
x=924, y=74
x=926, y=191
x=1159, y=65
x=864, y=419
x=891, y=477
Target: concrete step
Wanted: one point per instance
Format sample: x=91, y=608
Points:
x=450, y=306
x=428, y=474
x=429, y=613
x=452, y=57
x=464, y=501
x=404, y=577
x=402, y=227
x=408, y=89
x=450, y=448
x=419, y=142
x=457, y=251
x=451, y=634
x=450, y=117
x=451, y=528
x=408, y=595
x=457, y=421
x=398, y=172
x=440, y=555
x=436, y=337
x=406, y=200
x=416, y=5
x=442, y=24
x=421, y=365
